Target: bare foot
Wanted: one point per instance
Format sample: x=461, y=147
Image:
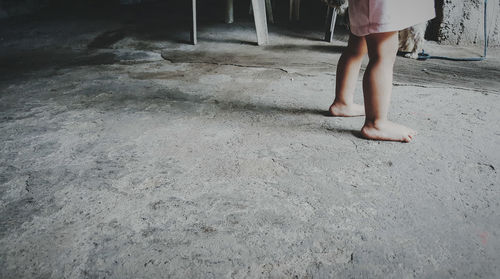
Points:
x=386, y=130
x=347, y=110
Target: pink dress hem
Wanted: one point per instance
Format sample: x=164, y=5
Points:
x=379, y=16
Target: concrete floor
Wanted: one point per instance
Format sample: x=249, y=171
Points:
x=126, y=153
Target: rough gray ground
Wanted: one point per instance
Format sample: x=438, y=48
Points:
x=219, y=162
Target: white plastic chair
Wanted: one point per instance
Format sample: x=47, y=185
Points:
x=259, y=14
x=294, y=12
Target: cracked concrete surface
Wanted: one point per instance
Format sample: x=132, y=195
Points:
x=219, y=162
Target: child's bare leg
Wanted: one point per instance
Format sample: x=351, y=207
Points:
x=347, y=76
x=377, y=89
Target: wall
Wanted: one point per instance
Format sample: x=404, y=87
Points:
x=462, y=22
x=10, y=8
x=3, y=13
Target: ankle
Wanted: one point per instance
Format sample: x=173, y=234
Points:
x=375, y=123
x=342, y=103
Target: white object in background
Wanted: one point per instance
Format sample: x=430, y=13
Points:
x=269, y=10
x=259, y=15
x=294, y=14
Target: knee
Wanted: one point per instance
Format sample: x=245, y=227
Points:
x=355, y=53
x=383, y=47
x=382, y=58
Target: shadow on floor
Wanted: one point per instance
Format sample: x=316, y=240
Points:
x=316, y=48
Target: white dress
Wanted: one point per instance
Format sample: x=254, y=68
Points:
x=378, y=16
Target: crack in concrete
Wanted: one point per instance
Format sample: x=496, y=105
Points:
x=240, y=65
x=398, y=84
x=226, y=64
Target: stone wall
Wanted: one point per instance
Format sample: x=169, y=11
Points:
x=461, y=22
x=10, y=8
x=3, y=12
